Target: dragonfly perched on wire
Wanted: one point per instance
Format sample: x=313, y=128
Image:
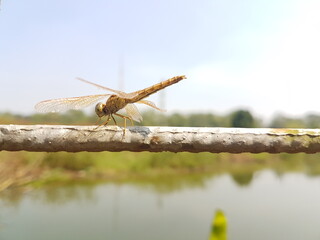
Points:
x=115, y=102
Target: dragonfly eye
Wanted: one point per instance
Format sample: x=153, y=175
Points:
x=99, y=109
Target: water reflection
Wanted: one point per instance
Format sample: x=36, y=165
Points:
x=242, y=178
x=265, y=192
x=142, y=210
x=242, y=173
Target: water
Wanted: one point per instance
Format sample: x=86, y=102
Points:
x=266, y=207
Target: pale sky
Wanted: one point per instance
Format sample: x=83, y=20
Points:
x=260, y=55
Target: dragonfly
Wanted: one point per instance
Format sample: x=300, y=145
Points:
x=115, y=102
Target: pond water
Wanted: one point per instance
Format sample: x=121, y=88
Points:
x=269, y=206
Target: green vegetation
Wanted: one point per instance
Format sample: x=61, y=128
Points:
x=242, y=118
x=237, y=118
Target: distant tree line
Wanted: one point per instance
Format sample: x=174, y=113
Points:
x=237, y=118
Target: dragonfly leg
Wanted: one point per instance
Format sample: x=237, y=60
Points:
x=99, y=119
x=103, y=124
x=108, y=120
x=125, y=121
x=114, y=119
x=97, y=123
x=125, y=118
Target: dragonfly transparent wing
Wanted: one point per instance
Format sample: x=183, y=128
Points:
x=63, y=104
x=120, y=93
x=151, y=104
x=133, y=112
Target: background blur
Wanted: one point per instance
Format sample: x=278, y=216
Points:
x=249, y=63
x=263, y=56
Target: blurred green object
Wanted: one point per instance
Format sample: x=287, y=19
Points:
x=242, y=119
x=219, y=226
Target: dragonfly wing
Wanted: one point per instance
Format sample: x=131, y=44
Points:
x=133, y=112
x=151, y=104
x=120, y=93
x=63, y=104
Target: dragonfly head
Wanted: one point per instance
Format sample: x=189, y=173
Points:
x=99, y=109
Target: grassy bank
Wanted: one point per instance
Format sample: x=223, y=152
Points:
x=25, y=168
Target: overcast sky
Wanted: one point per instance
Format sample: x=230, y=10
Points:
x=263, y=56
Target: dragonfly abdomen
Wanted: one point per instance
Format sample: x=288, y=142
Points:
x=141, y=94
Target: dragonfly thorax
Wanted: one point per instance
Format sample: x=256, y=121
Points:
x=112, y=105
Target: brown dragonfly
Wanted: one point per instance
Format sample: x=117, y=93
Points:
x=115, y=102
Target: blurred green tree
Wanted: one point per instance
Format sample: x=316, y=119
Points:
x=242, y=118
x=281, y=121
